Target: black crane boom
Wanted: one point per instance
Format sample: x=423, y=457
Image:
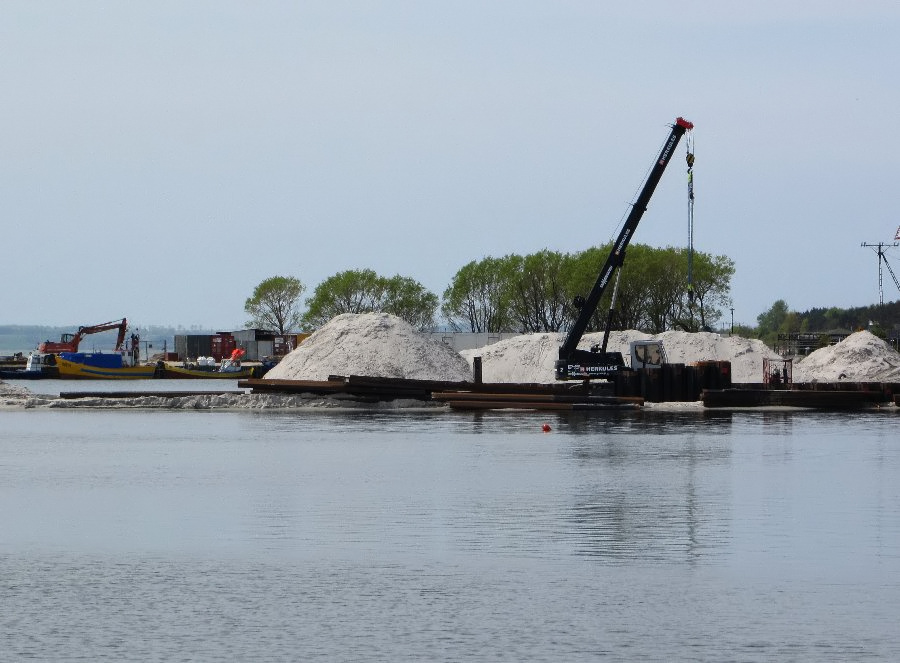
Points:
x=574, y=364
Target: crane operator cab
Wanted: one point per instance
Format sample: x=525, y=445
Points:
x=647, y=354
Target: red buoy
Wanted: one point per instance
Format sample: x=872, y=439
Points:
x=546, y=428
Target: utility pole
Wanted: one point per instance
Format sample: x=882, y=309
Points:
x=879, y=249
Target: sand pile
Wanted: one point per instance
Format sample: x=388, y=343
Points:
x=371, y=344
x=531, y=357
x=7, y=389
x=861, y=357
x=227, y=402
x=12, y=394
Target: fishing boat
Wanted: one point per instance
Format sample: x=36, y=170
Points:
x=101, y=366
x=206, y=369
x=180, y=372
x=16, y=367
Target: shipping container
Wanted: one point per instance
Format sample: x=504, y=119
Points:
x=191, y=346
x=242, y=336
x=281, y=345
x=284, y=344
x=222, y=345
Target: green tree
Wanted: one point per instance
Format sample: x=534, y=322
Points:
x=478, y=297
x=364, y=291
x=651, y=291
x=539, y=299
x=711, y=289
x=771, y=321
x=408, y=299
x=537, y=292
x=274, y=304
x=351, y=291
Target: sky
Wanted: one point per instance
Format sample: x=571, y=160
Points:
x=160, y=159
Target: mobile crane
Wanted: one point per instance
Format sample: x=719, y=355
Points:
x=597, y=363
x=70, y=342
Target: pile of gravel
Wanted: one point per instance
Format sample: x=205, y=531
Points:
x=375, y=345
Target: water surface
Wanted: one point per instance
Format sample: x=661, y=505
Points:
x=157, y=535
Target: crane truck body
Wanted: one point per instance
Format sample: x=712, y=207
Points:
x=597, y=363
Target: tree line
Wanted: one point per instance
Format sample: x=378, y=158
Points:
x=779, y=319
x=513, y=293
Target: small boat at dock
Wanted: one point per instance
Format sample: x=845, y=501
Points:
x=17, y=367
x=181, y=373
x=206, y=369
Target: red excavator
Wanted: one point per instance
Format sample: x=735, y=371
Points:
x=69, y=342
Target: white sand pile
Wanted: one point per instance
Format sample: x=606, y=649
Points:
x=12, y=395
x=230, y=402
x=371, y=344
x=16, y=397
x=525, y=359
x=531, y=358
x=12, y=390
x=861, y=357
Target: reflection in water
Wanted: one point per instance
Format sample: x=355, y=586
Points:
x=659, y=513
x=644, y=422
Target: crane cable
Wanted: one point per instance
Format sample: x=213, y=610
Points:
x=689, y=157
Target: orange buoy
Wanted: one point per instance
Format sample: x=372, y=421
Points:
x=546, y=428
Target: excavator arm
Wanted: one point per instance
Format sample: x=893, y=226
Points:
x=121, y=325
x=70, y=342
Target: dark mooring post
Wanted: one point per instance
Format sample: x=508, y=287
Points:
x=476, y=369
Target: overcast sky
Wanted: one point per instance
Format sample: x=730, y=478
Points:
x=159, y=159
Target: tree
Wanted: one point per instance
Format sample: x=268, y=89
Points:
x=478, y=297
x=364, y=291
x=408, y=299
x=771, y=321
x=274, y=304
x=539, y=299
x=663, y=274
x=351, y=291
x=652, y=291
x=712, y=285
x=537, y=293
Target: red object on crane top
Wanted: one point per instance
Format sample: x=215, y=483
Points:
x=684, y=123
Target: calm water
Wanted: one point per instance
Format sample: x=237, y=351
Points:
x=160, y=536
